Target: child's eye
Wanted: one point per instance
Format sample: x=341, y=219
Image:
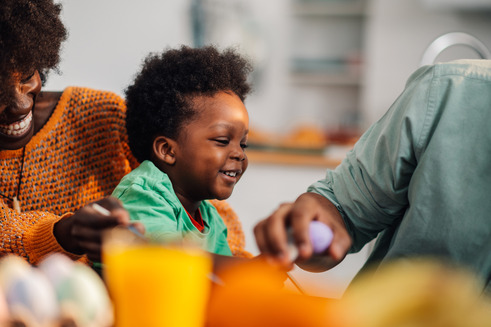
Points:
x=222, y=141
x=244, y=146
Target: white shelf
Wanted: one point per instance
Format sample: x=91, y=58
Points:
x=325, y=79
x=326, y=60
x=467, y=5
x=328, y=8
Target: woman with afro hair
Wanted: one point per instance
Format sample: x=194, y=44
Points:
x=59, y=151
x=188, y=126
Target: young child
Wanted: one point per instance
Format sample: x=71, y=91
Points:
x=187, y=125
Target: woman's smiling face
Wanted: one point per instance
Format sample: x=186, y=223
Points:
x=16, y=118
x=210, y=153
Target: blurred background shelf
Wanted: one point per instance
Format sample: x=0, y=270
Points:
x=328, y=8
x=327, y=72
x=325, y=62
x=289, y=158
x=324, y=79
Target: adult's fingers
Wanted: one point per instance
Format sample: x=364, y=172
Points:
x=109, y=207
x=122, y=216
x=95, y=216
x=139, y=227
x=320, y=208
x=90, y=221
x=302, y=213
x=271, y=233
x=110, y=203
x=341, y=242
x=87, y=234
x=92, y=250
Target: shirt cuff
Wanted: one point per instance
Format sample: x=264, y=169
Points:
x=40, y=240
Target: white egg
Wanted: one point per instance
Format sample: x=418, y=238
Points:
x=56, y=267
x=12, y=266
x=32, y=294
x=83, y=297
x=4, y=312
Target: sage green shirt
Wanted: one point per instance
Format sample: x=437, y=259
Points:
x=421, y=176
x=149, y=197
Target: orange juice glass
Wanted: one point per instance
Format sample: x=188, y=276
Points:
x=156, y=286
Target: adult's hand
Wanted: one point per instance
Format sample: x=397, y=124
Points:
x=82, y=232
x=271, y=233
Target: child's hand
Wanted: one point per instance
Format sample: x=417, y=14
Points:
x=272, y=239
x=82, y=232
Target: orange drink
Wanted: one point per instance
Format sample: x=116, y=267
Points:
x=156, y=286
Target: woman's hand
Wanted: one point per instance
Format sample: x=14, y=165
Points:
x=271, y=233
x=82, y=232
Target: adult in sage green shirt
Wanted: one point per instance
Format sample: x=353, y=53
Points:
x=419, y=179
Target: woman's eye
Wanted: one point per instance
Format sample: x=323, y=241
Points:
x=25, y=80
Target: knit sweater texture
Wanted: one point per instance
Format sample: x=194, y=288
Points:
x=79, y=156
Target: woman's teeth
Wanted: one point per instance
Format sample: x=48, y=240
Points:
x=17, y=128
x=230, y=173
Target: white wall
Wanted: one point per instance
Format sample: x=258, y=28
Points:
x=109, y=38
x=397, y=34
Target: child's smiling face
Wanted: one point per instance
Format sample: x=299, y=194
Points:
x=210, y=150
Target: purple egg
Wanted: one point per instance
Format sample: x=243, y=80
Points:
x=320, y=236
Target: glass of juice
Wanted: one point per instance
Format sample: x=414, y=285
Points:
x=155, y=285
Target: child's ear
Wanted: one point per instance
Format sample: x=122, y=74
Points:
x=164, y=149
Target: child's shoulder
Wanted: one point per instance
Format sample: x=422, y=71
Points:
x=145, y=178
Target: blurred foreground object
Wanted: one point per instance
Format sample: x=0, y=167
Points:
x=82, y=295
x=252, y=294
x=153, y=285
x=58, y=293
x=422, y=293
x=404, y=293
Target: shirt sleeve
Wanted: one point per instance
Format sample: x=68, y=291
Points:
x=222, y=246
x=30, y=234
x=370, y=186
x=151, y=209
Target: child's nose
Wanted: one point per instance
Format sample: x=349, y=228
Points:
x=238, y=153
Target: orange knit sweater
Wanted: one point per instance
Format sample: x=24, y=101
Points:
x=78, y=157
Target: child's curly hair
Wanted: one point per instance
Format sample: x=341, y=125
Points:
x=31, y=33
x=159, y=100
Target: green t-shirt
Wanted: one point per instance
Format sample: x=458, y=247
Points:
x=149, y=197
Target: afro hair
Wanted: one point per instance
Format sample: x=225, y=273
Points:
x=159, y=101
x=31, y=34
